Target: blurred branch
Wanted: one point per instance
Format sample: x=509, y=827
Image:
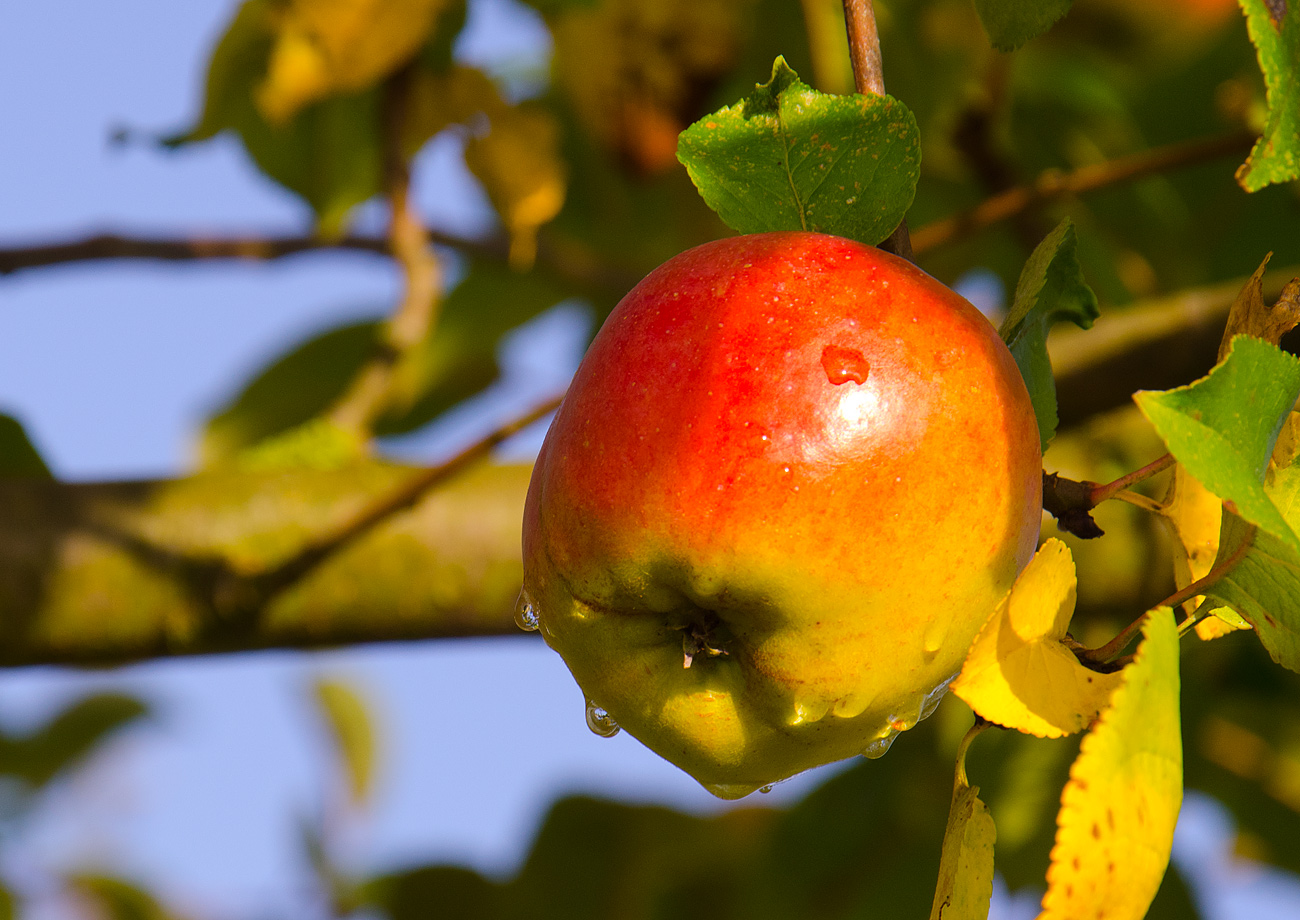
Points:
x=253, y=248
x=1053, y=184
x=1152, y=345
x=417, y=313
x=869, y=78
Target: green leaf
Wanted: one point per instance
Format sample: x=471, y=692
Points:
x=460, y=894
x=117, y=899
x=68, y=738
x=348, y=718
x=1276, y=157
x=1264, y=586
x=290, y=391
x=790, y=158
x=18, y=456
x=1051, y=289
x=322, y=138
x=1011, y=23
x=456, y=363
x=1223, y=427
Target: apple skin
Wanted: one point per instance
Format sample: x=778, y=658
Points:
x=805, y=461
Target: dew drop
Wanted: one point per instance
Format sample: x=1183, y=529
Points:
x=844, y=364
x=935, y=632
x=527, y=616
x=877, y=749
x=766, y=789
x=599, y=722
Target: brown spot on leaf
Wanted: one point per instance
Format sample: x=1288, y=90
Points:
x=1096, y=831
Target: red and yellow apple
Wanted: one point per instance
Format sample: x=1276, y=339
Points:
x=791, y=479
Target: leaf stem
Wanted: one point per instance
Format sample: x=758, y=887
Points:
x=869, y=78
x=981, y=725
x=1101, y=493
x=1111, y=649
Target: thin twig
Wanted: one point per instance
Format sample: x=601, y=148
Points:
x=1112, y=648
x=1053, y=184
x=371, y=391
x=410, y=492
x=1101, y=493
x=869, y=78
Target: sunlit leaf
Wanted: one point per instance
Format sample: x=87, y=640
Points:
x=1274, y=27
x=1264, y=585
x=332, y=47
x=1019, y=673
x=519, y=164
x=117, y=899
x=352, y=732
x=1011, y=23
x=1194, y=515
x=67, y=739
x=18, y=455
x=1051, y=290
x=966, y=864
x=1223, y=427
x=1115, y=829
x=790, y=158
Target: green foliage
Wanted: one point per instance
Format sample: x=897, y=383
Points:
x=1276, y=158
x=18, y=455
x=1051, y=290
x=67, y=739
x=790, y=158
x=1011, y=23
x=456, y=362
x=116, y=899
x=1223, y=427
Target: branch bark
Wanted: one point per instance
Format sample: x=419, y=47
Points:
x=1053, y=184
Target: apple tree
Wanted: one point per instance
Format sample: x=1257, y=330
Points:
x=1126, y=172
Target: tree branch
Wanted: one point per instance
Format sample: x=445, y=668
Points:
x=1053, y=184
x=869, y=78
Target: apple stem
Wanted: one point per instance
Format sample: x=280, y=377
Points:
x=869, y=79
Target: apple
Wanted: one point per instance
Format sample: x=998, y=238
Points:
x=790, y=480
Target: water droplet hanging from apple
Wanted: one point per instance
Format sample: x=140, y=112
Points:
x=527, y=616
x=599, y=721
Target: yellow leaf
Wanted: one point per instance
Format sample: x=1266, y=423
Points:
x=348, y=720
x=519, y=164
x=966, y=866
x=328, y=47
x=1019, y=673
x=1118, y=810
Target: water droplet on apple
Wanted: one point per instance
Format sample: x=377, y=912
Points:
x=844, y=364
x=933, y=699
x=935, y=632
x=527, y=616
x=766, y=789
x=599, y=721
x=878, y=748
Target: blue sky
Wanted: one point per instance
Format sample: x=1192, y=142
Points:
x=112, y=367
